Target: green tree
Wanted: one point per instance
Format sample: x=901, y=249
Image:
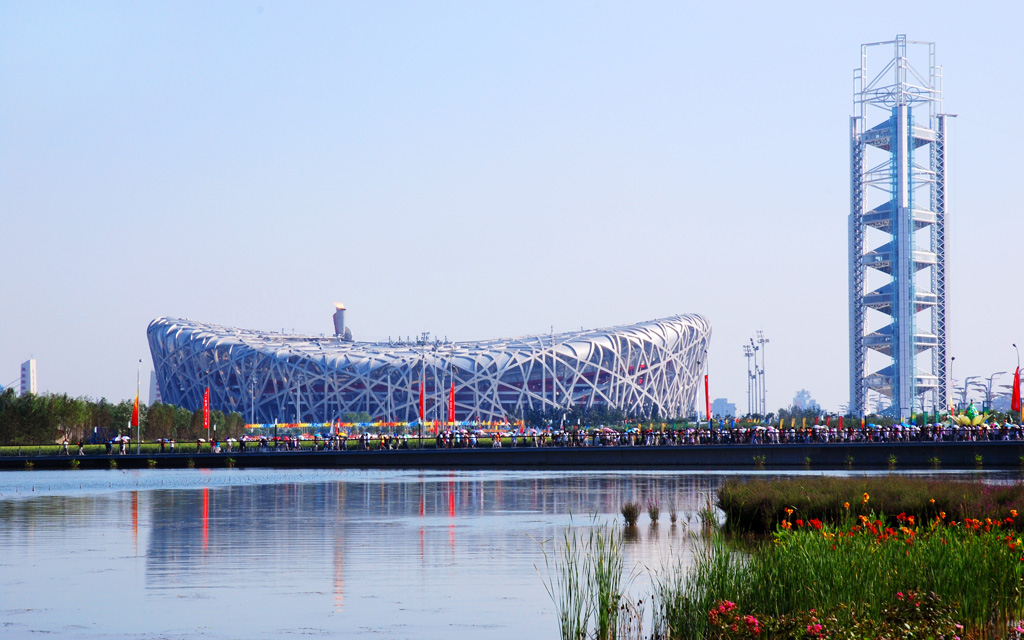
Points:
x=159, y=422
x=121, y=415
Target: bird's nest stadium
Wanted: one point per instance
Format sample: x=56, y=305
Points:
x=644, y=369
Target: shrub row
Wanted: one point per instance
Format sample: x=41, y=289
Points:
x=757, y=507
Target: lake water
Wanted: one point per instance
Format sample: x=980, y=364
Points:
x=276, y=553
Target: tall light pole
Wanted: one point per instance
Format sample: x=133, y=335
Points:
x=761, y=340
x=748, y=352
x=952, y=380
x=756, y=379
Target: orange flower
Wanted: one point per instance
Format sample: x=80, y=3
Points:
x=1013, y=513
x=846, y=505
x=866, y=498
x=932, y=500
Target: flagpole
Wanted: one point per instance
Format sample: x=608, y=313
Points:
x=138, y=426
x=418, y=405
x=1015, y=395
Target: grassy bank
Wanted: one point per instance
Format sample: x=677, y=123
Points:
x=850, y=579
x=758, y=507
x=838, y=563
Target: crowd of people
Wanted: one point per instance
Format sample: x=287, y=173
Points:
x=603, y=437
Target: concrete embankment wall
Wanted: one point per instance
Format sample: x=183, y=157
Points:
x=960, y=455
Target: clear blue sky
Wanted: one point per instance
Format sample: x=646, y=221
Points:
x=475, y=170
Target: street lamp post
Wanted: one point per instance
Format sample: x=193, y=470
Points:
x=967, y=386
x=988, y=390
x=764, y=387
x=952, y=380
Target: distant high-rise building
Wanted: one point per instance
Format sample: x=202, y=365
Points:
x=803, y=400
x=154, y=389
x=723, y=408
x=28, y=376
x=898, y=230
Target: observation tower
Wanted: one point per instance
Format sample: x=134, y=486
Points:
x=897, y=231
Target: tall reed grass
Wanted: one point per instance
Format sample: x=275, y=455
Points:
x=569, y=586
x=630, y=512
x=587, y=583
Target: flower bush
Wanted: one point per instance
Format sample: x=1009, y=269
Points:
x=909, y=616
x=756, y=507
x=877, y=577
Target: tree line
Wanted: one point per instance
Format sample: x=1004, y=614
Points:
x=41, y=419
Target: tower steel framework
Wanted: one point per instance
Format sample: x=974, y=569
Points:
x=897, y=230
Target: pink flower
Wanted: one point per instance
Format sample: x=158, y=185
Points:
x=752, y=622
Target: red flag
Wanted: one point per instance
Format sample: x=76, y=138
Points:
x=707, y=399
x=135, y=411
x=451, y=404
x=206, y=409
x=840, y=423
x=1015, y=400
x=423, y=406
x=828, y=421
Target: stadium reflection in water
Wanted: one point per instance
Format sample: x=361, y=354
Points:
x=262, y=554
x=246, y=553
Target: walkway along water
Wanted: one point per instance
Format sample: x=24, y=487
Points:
x=849, y=456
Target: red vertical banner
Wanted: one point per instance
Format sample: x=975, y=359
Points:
x=707, y=400
x=423, y=406
x=1015, y=398
x=135, y=411
x=206, y=411
x=451, y=404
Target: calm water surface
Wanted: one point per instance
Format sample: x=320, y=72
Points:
x=266, y=554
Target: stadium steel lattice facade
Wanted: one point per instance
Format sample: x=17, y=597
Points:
x=267, y=377
x=898, y=230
